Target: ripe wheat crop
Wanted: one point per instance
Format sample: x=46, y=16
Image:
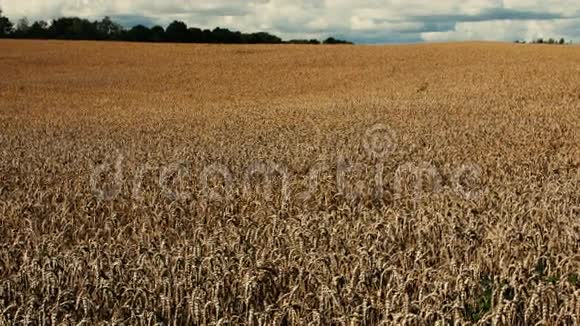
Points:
x=289, y=185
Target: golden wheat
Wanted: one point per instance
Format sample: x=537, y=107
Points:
x=259, y=185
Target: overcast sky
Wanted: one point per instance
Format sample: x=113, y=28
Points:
x=363, y=21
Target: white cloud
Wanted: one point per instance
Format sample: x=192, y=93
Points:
x=362, y=20
x=502, y=30
x=507, y=30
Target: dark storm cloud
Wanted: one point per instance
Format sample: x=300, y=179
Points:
x=491, y=14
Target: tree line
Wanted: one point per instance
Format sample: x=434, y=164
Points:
x=74, y=28
x=546, y=41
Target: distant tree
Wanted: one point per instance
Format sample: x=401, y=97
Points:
x=540, y=41
x=39, y=29
x=262, y=38
x=562, y=41
x=207, y=36
x=177, y=32
x=224, y=35
x=73, y=29
x=108, y=30
x=5, y=25
x=312, y=41
x=23, y=26
x=235, y=37
x=332, y=40
x=195, y=35
x=138, y=33
x=157, y=34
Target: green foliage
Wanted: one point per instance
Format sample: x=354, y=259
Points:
x=138, y=33
x=157, y=34
x=574, y=279
x=109, y=30
x=482, y=304
x=476, y=310
x=6, y=26
x=177, y=32
x=552, y=280
x=74, y=28
x=332, y=40
x=38, y=29
x=540, y=40
x=541, y=270
x=312, y=41
x=541, y=266
x=262, y=38
x=23, y=26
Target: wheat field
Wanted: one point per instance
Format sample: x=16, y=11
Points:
x=182, y=184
